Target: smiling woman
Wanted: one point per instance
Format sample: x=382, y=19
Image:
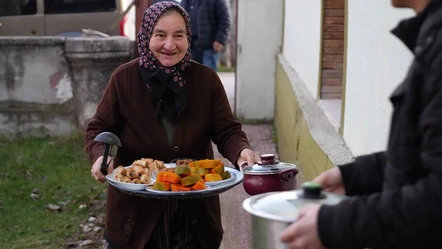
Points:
x=163, y=106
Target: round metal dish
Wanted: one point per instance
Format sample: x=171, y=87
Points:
x=212, y=190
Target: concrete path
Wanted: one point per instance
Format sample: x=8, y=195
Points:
x=228, y=80
x=236, y=221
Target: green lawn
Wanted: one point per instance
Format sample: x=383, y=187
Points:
x=59, y=170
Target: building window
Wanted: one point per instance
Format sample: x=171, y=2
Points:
x=79, y=6
x=18, y=7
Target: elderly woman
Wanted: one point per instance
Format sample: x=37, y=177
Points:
x=164, y=106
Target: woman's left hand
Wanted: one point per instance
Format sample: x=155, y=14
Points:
x=246, y=155
x=304, y=232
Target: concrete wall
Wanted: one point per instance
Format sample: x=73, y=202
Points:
x=260, y=25
x=376, y=63
x=51, y=85
x=302, y=40
x=304, y=134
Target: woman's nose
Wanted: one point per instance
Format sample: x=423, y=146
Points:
x=169, y=44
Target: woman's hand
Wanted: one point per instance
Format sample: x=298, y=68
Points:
x=246, y=155
x=331, y=181
x=96, y=172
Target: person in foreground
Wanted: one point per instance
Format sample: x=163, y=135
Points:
x=164, y=106
x=397, y=193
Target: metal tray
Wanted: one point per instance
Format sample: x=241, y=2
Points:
x=210, y=191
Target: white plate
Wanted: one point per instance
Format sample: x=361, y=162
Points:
x=232, y=176
x=131, y=186
x=170, y=165
x=149, y=189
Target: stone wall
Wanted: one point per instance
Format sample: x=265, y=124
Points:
x=51, y=85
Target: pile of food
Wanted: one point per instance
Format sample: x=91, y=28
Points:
x=191, y=176
x=140, y=172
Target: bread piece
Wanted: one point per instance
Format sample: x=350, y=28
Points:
x=136, y=181
x=120, y=169
x=131, y=173
x=141, y=163
x=139, y=169
x=145, y=179
x=119, y=177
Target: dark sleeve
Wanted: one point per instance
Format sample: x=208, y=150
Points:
x=408, y=217
x=365, y=175
x=106, y=118
x=226, y=132
x=222, y=13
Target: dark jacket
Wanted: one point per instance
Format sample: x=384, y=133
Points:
x=126, y=109
x=213, y=22
x=400, y=190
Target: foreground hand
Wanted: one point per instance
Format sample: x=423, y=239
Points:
x=246, y=155
x=331, y=181
x=96, y=172
x=303, y=233
x=217, y=46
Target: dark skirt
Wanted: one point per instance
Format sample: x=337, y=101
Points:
x=171, y=231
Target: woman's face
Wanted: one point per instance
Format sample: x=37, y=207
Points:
x=169, y=39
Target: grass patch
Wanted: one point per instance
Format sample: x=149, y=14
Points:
x=58, y=171
x=222, y=68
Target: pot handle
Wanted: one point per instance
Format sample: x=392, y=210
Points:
x=241, y=166
x=287, y=175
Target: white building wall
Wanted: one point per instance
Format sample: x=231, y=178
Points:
x=302, y=40
x=376, y=63
x=259, y=38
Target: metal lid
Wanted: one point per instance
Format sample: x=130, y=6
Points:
x=267, y=165
x=284, y=206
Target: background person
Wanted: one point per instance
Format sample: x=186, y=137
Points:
x=210, y=29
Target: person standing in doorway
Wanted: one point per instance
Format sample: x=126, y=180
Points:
x=210, y=20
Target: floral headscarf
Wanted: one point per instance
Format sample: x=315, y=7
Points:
x=170, y=78
x=150, y=18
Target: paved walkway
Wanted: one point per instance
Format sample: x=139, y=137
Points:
x=236, y=221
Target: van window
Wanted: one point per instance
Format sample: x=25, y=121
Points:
x=79, y=6
x=18, y=7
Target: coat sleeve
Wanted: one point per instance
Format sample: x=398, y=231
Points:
x=222, y=13
x=408, y=217
x=365, y=175
x=106, y=118
x=226, y=132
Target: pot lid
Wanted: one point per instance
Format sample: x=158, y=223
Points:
x=284, y=206
x=267, y=165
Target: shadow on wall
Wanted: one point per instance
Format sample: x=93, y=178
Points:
x=51, y=85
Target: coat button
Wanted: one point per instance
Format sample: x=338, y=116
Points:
x=194, y=222
x=176, y=148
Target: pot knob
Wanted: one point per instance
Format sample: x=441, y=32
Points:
x=311, y=190
x=267, y=159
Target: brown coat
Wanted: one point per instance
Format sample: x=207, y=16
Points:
x=126, y=109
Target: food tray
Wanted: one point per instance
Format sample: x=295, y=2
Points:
x=194, y=194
